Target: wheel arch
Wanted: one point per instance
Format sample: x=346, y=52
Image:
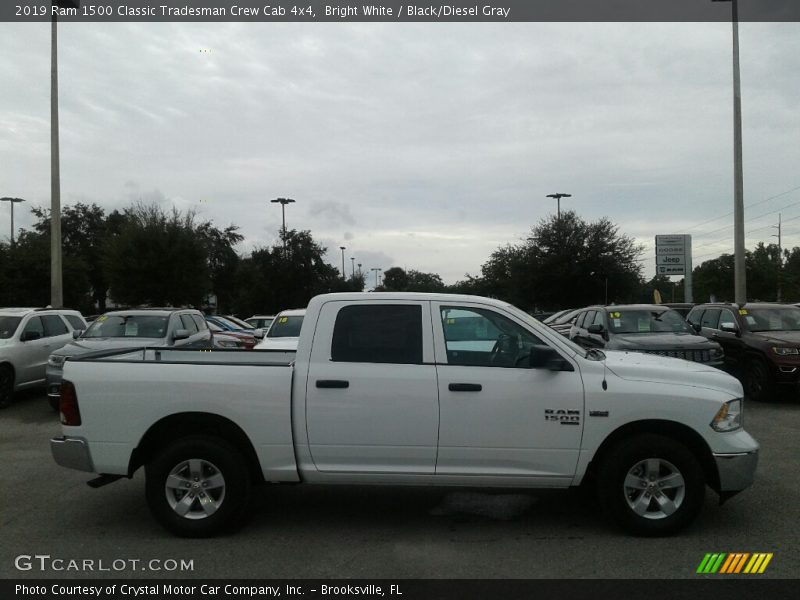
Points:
x=671, y=429
x=179, y=425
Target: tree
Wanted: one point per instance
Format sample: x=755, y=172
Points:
x=399, y=280
x=714, y=278
x=222, y=260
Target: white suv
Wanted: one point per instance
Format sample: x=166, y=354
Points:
x=27, y=337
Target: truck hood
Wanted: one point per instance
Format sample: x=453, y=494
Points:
x=84, y=345
x=779, y=337
x=635, y=366
x=660, y=341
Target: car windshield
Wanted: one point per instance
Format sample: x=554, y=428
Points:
x=784, y=318
x=286, y=327
x=128, y=326
x=239, y=323
x=8, y=325
x=534, y=324
x=564, y=319
x=646, y=321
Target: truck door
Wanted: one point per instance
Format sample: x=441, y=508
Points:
x=499, y=416
x=371, y=394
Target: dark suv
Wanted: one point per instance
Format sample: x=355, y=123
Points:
x=646, y=328
x=761, y=342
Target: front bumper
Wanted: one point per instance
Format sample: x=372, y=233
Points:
x=736, y=470
x=72, y=453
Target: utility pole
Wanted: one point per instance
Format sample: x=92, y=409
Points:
x=780, y=256
x=739, y=272
x=558, y=198
x=353, y=264
x=56, y=289
x=283, y=202
x=12, y=201
x=342, y=248
x=376, y=269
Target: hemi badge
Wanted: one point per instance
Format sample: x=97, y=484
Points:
x=598, y=413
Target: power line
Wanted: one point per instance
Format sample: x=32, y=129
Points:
x=746, y=206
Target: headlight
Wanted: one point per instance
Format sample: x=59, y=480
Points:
x=717, y=353
x=729, y=416
x=56, y=361
x=227, y=344
x=784, y=350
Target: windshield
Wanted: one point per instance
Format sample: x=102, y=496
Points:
x=8, y=325
x=647, y=321
x=564, y=319
x=131, y=326
x=286, y=327
x=784, y=318
x=239, y=323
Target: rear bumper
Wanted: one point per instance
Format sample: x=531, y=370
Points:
x=737, y=470
x=72, y=453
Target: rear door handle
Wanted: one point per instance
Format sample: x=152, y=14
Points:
x=465, y=387
x=332, y=383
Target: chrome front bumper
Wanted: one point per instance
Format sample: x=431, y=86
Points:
x=72, y=453
x=736, y=471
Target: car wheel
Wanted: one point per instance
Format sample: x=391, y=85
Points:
x=757, y=381
x=198, y=486
x=54, y=403
x=6, y=386
x=651, y=485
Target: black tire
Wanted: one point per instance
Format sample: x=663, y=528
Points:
x=635, y=453
x=53, y=403
x=215, y=457
x=757, y=380
x=6, y=386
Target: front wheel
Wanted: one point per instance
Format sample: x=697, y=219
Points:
x=757, y=381
x=198, y=486
x=651, y=485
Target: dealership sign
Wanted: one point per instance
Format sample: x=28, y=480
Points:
x=673, y=254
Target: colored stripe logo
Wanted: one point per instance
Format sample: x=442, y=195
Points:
x=734, y=563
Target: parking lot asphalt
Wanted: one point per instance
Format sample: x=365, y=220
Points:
x=381, y=532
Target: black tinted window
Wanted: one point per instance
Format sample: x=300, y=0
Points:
x=34, y=325
x=188, y=323
x=200, y=322
x=378, y=334
x=710, y=318
x=695, y=316
x=53, y=325
x=8, y=325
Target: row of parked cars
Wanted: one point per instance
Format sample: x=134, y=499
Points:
x=757, y=342
x=35, y=342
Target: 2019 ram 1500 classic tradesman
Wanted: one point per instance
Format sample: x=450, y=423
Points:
x=399, y=388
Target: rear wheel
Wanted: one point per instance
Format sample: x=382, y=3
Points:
x=757, y=380
x=651, y=485
x=198, y=486
x=6, y=386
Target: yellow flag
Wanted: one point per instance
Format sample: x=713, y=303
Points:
x=657, y=296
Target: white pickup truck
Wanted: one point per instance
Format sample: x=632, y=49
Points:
x=399, y=388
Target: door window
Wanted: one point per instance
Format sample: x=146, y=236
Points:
x=710, y=318
x=588, y=317
x=200, y=322
x=189, y=324
x=598, y=319
x=695, y=317
x=483, y=338
x=34, y=325
x=726, y=316
x=53, y=325
x=378, y=333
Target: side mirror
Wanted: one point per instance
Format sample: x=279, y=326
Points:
x=181, y=334
x=729, y=327
x=28, y=336
x=597, y=328
x=77, y=333
x=258, y=332
x=697, y=327
x=545, y=357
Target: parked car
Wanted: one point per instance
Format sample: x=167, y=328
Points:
x=761, y=342
x=27, y=337
x=246, y=327
x=284, y=331
x=130, y=328
x=376, y=393
x=557, y=315
x=261, y=321
x=564, y=323
x=647, y=328
x=225, y=338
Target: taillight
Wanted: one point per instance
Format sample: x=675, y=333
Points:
x=68, y=405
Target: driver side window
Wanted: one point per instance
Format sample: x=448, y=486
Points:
x=477, y=337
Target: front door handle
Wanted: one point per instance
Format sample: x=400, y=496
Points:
x=465, y=387
x=332, y=384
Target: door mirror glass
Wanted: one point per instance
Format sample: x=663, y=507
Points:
x=595, y=328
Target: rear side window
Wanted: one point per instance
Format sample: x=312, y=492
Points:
x=75, y=322
x=53, y=325
x=378, y=334
x=710, y=318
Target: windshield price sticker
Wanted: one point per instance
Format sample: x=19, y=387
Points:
x=283, y=320
x=615, y=315
x=742, y=311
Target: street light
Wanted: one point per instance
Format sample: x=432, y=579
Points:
x=12, y=201
x=739, y=272
x=359, y=268
x=283, y=202
x=342, y=248
x=353, y=265
x=558, y=198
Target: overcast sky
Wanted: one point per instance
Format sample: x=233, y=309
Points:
x=423, y=146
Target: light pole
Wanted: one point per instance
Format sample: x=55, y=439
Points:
x=353, y=265
x=12, y=201
x=558, y=198
x=376, y=269
x=359, y=268
x=343, y=248
x=739, y=272
x=283, y=202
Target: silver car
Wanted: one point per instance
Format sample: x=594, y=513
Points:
x=27, y=337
